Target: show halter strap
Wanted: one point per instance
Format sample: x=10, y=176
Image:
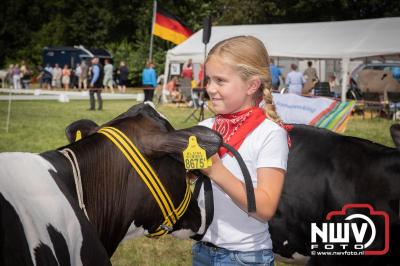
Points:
x=70, y=155
x=208, y=200
x=149, y=177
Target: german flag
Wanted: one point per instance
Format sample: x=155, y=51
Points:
x=170, y=27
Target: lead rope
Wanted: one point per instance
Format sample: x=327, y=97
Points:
x=68, y=153
x=251, y=200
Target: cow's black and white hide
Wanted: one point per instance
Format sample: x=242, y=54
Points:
x=40, y=219
x=326, y=171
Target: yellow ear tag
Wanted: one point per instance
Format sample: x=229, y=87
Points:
x=78, y=135
x=194, y=156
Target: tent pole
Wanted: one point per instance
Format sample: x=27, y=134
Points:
x=166, y=76
x=345, y=76
x=319, y=68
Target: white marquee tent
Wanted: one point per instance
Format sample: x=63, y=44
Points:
x=345, y=40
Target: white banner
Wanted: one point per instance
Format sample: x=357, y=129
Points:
x=295, y=109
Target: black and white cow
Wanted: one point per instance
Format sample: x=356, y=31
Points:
x=325, y=172
x=41, y=222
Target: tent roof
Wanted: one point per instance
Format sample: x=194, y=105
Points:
x=341, y=39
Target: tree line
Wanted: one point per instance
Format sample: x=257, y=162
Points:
x=124, y=27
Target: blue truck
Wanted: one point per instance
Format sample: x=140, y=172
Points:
x=69, y=55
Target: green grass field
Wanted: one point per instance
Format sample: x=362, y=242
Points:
x=37, y=126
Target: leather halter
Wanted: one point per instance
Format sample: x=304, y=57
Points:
x=149, y=177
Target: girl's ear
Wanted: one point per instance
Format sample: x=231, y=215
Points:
x=254, y=85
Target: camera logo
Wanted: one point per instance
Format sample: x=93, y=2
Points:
x=357, y=229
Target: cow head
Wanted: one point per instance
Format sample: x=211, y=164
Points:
x=162, y=146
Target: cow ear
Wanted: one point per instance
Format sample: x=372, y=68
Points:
x=395, y=133
x=175, y=142
x=80, y=129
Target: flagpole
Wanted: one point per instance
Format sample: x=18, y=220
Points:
x=152, y=30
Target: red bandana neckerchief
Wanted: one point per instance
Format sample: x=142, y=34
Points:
x=234, y=128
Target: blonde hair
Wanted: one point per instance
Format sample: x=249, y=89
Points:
x=249, y=57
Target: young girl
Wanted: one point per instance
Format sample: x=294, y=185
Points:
x=237, y=70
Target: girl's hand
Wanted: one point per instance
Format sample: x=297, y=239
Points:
x=216, y=162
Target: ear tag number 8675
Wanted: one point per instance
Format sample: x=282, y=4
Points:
x=194, y=156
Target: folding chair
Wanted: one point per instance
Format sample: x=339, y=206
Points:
x=323, y=89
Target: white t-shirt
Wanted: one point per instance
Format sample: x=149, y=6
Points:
x=232, y=228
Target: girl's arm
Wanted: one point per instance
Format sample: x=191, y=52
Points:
x=267, y=193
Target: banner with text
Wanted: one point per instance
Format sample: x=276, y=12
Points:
x=317, y=111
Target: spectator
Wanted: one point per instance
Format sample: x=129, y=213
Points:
x=295, y=80
x=123, y=72
x=84, y=75
x=108, y=81
x=57, y=73
x=149, y=81
x=77, y=74
x=66, y=77
x=172, y=90
x=45, y=77
x=16, y=75
x=10, y=74
x=310, y=73
x=275, y=75
x=49, y=69
x=95, y=85
x=25, y=74
x=171, y=85
x=186, y=81
x=187, y=71
x=334, y=87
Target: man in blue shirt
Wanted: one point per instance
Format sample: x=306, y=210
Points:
x=275, y=74
x=149, y=81
x=95, y=85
